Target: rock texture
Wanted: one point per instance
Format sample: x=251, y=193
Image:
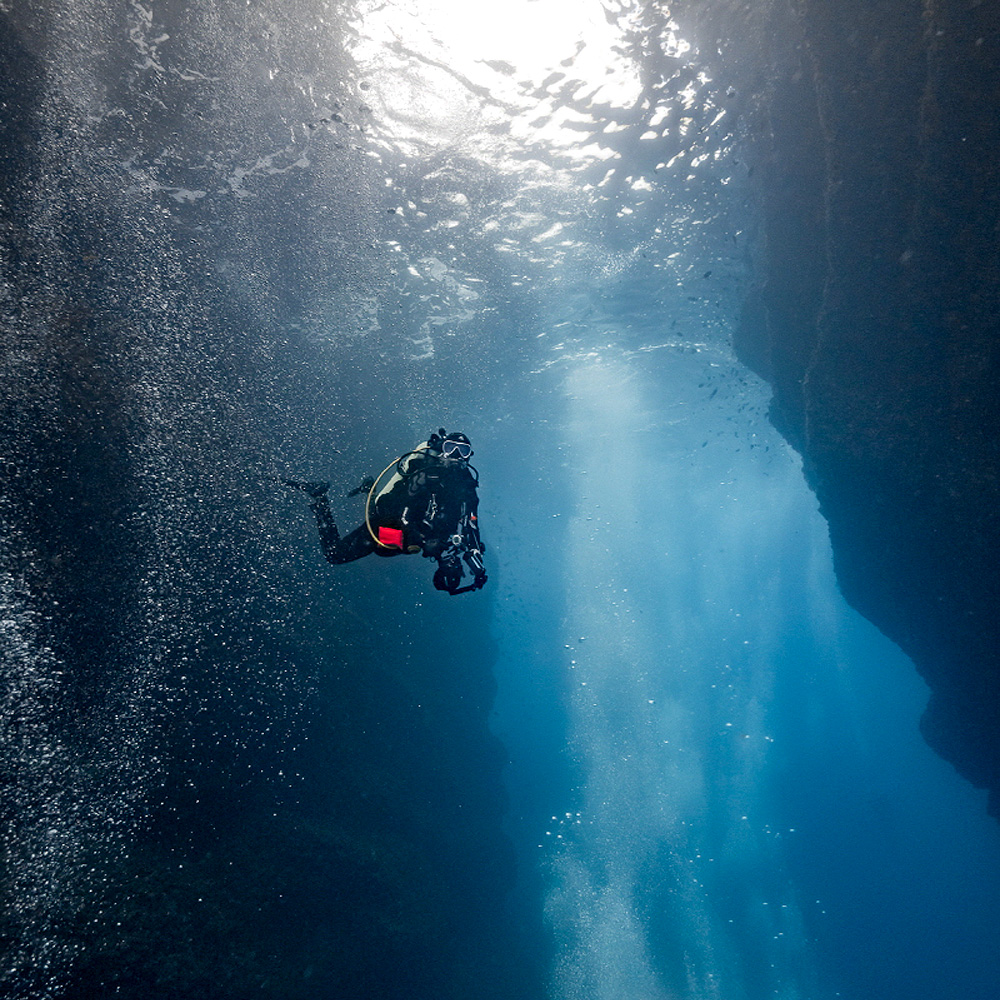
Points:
x=875, y=153
x=225, y=771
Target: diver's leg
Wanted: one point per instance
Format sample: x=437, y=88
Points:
x=339, y=550
x=315, y=490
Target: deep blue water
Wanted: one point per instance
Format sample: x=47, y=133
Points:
x=753, y=811
x=251, y=242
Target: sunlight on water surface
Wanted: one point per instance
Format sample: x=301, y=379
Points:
x=480, y=78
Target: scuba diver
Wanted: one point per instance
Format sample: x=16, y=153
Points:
x=428, y=505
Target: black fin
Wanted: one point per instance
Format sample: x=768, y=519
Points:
x=366, y=484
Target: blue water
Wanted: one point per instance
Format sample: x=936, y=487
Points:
x=753, y=812
x=307, y=238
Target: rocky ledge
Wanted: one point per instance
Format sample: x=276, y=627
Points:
x=875, y=319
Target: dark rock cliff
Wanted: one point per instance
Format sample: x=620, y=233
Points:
x=874, y=150
x=225, y=770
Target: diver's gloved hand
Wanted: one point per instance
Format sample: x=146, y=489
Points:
x=448, y=576
x=480, y=580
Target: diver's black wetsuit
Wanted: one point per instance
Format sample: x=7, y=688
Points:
x=434, y=503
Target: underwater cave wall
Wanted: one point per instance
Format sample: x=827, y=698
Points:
x=873, y=145
x=227, y=770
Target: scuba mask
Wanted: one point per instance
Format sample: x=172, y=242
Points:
x=456, y=449
x=454, y=445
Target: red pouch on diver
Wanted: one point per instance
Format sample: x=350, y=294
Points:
x=390, y=536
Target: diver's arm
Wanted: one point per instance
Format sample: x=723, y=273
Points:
x=472, y=549
x=463, y=544
x=473, y=544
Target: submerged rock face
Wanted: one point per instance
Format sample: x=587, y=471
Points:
x=875, y=156
x=228, y=771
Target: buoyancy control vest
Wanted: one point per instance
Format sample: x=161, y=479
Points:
x=427, y=504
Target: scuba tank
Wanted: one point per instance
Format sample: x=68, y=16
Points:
x=388, y=536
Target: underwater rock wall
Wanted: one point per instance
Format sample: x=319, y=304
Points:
x=228, y=770
x=873, y=146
